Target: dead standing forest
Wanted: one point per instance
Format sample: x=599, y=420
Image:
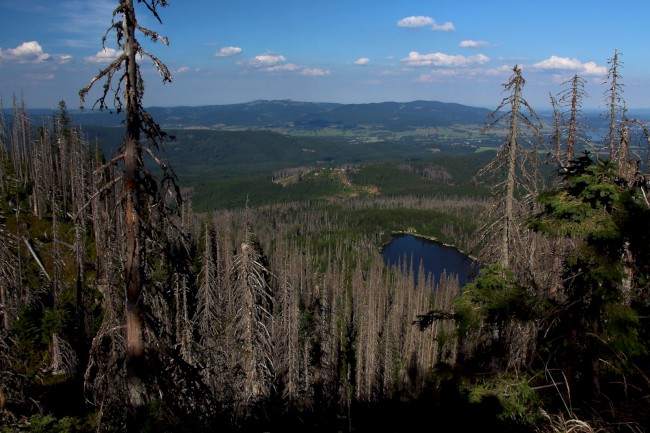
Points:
x=124, y=310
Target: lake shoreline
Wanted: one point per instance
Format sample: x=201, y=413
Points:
x=429, y=238
x=411, y=250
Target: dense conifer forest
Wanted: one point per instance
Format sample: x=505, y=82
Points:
x=124, y=308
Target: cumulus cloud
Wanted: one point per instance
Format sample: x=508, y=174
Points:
x=499, y=70
x=186, y=69
x=300, y=70
x=446, y=27
x=107, y=55
x=27, y=52
x=416, y=21
x=283, y=68
x=276, y=63
x=314, y=72
x=591, y=68
x=423, y=21
x=472, y=44
x=555, y=63
x=228, y=52
x=266, y=60
x=443, y=74
x=416, y=59
x=362, y=61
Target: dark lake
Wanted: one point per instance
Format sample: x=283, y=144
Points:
x=435, y=257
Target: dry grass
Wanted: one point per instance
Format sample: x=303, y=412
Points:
x=569, y=423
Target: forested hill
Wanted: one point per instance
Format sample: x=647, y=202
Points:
x=394, y=116
x=288, y=114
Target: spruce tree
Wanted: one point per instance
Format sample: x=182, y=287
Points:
x=142, y=136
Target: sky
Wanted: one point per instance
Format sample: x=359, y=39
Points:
x=346, y=51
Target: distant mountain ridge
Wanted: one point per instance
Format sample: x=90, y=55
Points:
x=287, y=114
x=394, y=116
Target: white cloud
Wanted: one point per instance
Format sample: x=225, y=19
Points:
x=591, y=68
x=64, y=58
x=446, y=27
x=416, y=21
x=438, y=74
x=423, y=21
x=280, y=68
x=186, y=69
x=514, y=60
x=556, y=63
x=472, y=44
x=445, y=60
x=499, y=70
x=228, y=52
x=266, y=60
x=105, y=56
x=362, y=61
x=314, y=72
x=300, y=70
x=276, y=63
x=27, y=52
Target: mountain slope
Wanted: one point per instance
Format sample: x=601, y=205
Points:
x=393, y=116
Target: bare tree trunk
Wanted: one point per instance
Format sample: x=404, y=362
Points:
x=510, y=187
x=614, y=96
x=514, y=172
x=133, y=274
x=4, y=152
x=19, y=139
x=79, y=180
x=557, y=133
x=508, y=225
x=576, y=94
x=254, y=302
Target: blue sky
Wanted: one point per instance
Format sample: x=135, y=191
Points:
x=350, y=51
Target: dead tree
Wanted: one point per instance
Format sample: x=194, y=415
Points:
x=512, y=171
x=254, y=300
x=615, y=102
x=568, y=132
x=4, y=152
x=139, y=185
